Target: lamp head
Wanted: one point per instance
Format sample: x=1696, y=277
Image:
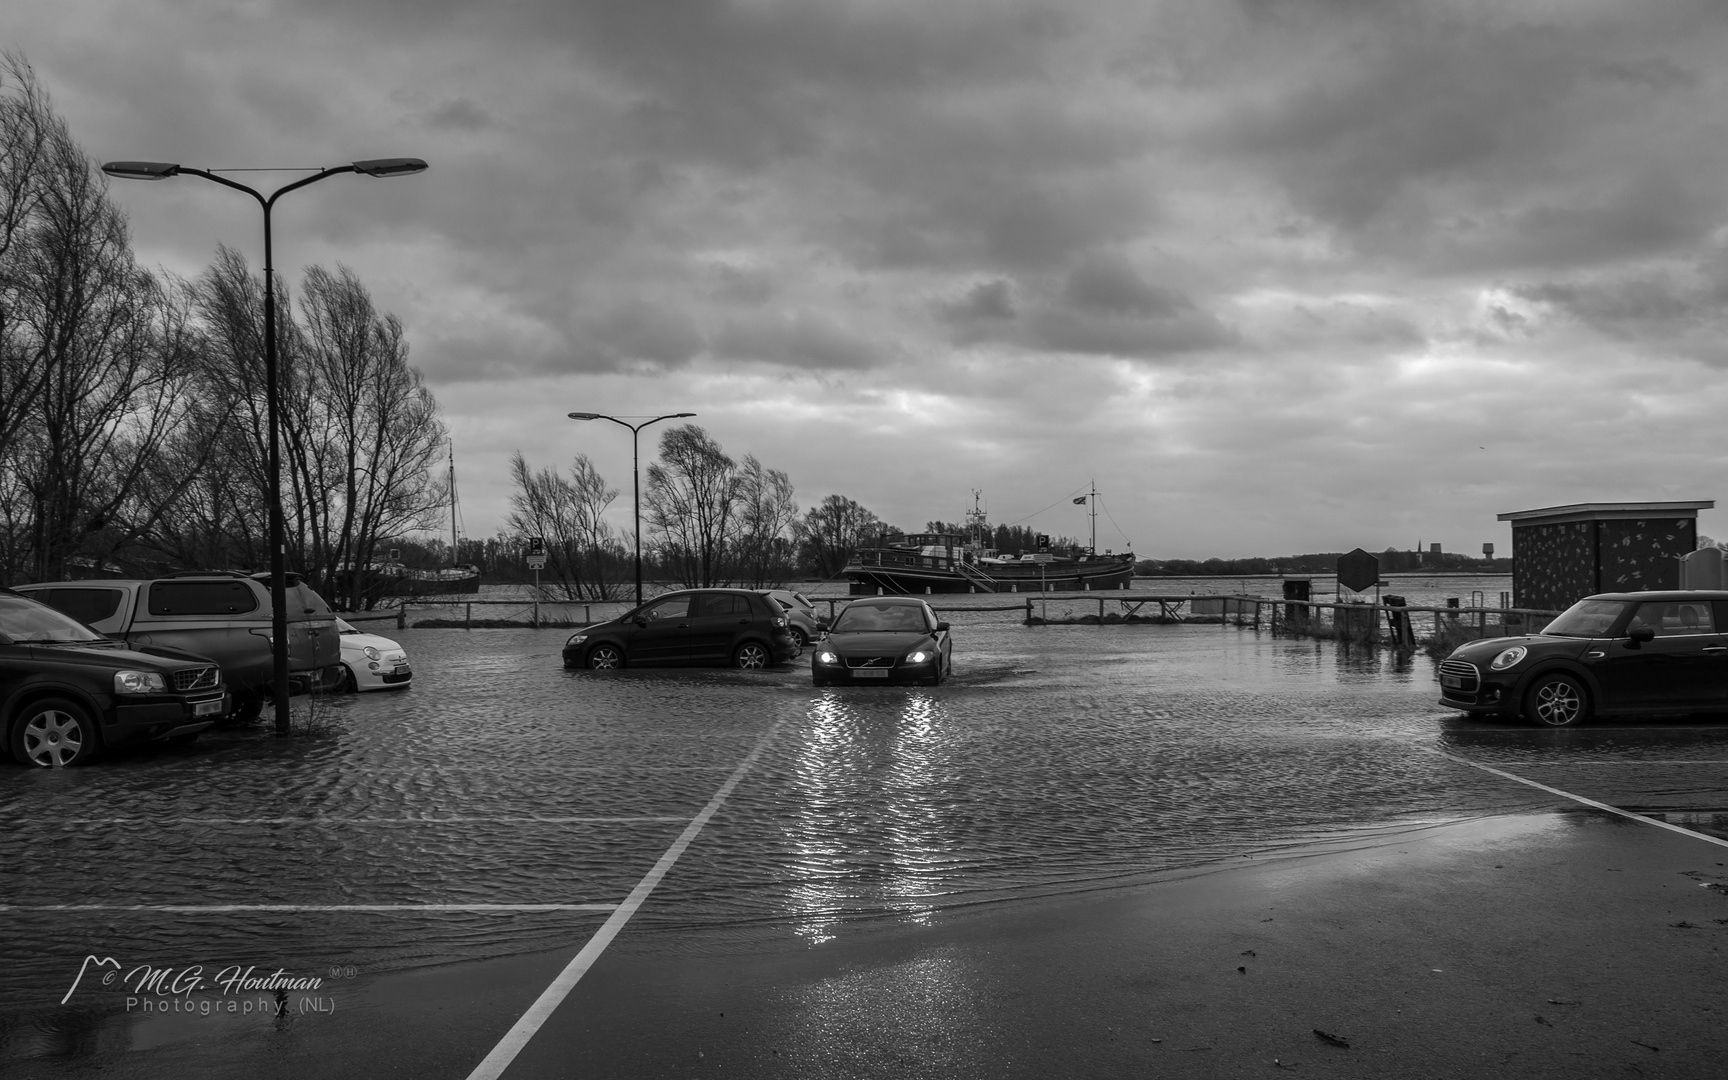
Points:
x=141, y=170
x=586, y=416
x=394, y=166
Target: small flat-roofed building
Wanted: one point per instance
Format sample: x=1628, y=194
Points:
x=1561, y=554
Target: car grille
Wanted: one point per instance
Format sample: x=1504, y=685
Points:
x=1469, y=680
x=870, y=661
x=195, y=679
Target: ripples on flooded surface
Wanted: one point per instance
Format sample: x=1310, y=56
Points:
x=1057, y=759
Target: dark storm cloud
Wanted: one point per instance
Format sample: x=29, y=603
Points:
x=800, y=341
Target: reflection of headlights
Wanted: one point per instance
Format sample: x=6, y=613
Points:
x=138, y=682
x=371, y=652
x=918, y=657
x=1508, y=658
x=577, y=639
x=826, y=657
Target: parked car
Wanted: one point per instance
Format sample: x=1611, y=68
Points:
x=802, y=618
x=224, y=615
x=66, y=691
x=884, y=639
x=694, y=626
x=370, y=662
x=1608, y=655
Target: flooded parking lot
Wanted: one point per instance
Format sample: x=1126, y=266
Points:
x=506, y=805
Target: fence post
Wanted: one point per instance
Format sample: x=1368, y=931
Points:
x=1100, y=608
x=402, y=617
x=468, y=617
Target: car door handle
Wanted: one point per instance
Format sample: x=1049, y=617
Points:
x=1716, y=648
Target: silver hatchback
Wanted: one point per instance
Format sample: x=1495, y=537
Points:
x=801, y=617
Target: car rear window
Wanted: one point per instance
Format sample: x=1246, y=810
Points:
x=201, y=598
x=85, y=605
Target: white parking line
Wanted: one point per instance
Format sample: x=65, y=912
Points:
x=517, y=1037
x=517, y=820
x=202, y=908
x=1586, y=802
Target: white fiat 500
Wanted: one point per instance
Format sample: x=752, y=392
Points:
x=372, y=662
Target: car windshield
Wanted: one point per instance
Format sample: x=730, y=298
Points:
x=1587, y=618
x=867, y=617
x=26, y=622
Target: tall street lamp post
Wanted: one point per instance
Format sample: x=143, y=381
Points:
x=635, y=474
x=161, y=170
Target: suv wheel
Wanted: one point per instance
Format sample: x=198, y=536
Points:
x=54, y=733
x=751, y=656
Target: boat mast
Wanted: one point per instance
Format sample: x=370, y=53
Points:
x=453, y=559
x=1092, y=508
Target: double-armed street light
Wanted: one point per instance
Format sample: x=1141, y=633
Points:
x=162, y=170
x=635, y=474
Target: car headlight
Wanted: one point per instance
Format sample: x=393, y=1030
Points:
x=577, y=639
x=826, y=657
x=371, y=652
x=918, y=657
x=1508, y=658
x=139, y=682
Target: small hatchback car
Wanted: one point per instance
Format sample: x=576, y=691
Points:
x=1606, y=655
x=885, y=639
x=802, y=617
x=370, y=662
x=739, y=627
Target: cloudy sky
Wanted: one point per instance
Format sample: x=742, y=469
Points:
x=1280, y=275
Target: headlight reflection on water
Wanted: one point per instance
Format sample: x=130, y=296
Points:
x=865, y=829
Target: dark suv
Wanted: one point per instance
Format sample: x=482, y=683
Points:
x=66, y=691
x=695, y=626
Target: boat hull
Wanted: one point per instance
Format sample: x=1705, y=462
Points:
x=868, y=578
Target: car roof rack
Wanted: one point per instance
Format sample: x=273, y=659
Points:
x=208, y=573
x=289, y=577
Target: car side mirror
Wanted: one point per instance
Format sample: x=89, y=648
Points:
x=941, y=626
x=1641, y=634
x=640, y=621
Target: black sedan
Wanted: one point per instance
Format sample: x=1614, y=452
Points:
x=738, y=627
x=1608, y=655
x=885, y=639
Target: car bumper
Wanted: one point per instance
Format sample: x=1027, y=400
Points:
x=1489, y=696
x=162, y=718
x=898, y=675
x=371, y=675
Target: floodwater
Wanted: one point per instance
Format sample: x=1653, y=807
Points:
x=1058, y=759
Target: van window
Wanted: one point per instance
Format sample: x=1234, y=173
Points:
x=201, y=598
x=85, y=605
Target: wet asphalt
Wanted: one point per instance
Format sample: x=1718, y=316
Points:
x=899, y=881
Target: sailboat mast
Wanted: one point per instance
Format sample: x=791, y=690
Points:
x=453, y=559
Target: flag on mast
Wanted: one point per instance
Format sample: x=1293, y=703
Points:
x=1081, y=501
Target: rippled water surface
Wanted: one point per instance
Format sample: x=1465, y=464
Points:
x=1057, y=759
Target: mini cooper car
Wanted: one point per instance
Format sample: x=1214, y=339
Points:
x=370, y=662
x=739, y=627
x=884, y=639
x=1608, y=655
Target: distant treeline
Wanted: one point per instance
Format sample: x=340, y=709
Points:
x=1391, y=562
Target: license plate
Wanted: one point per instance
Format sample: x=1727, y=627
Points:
x=1452, y=681
x=206, y=708
x=401, y=669
x=870, y=673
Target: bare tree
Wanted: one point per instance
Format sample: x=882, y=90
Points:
x=692, y=502
x=767, y=518
x=582, y=552
x=832, y=531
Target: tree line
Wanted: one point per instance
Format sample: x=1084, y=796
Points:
x=708, y=519
x=133, y=433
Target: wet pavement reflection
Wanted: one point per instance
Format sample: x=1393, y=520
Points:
x=1058, y=759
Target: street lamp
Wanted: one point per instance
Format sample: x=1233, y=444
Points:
x=635, y=474
x=162, y=170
